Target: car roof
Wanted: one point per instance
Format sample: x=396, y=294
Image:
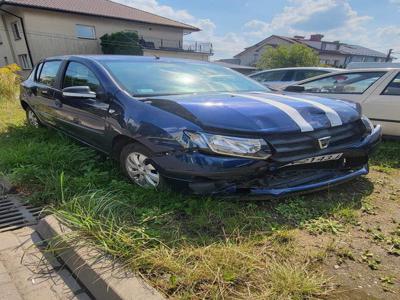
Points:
x=133, y=58
x=299, y=68
x=346, y=71
x=370, y=69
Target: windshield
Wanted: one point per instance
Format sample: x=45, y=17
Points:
x=168, y=78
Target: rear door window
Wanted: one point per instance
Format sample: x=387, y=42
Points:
x=394, y=87
x=48, y=72
x=270, y=76
x=305, y=74
x=349, y=83
x=288, y=76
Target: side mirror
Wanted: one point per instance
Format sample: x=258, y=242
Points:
x=78, y=92
x=294, y=88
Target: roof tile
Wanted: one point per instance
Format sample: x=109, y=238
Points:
x=104, y=8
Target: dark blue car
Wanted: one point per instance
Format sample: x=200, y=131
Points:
x=199, y=126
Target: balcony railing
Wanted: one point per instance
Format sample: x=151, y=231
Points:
x=151, y=43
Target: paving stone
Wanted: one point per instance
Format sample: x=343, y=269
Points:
x=5, y=278
x=8, y=240
x=9, y=292
x=25, y=272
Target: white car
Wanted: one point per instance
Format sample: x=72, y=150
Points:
x=376, y=89
x=279, y=78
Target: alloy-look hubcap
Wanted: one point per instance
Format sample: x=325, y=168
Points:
x=32, y=119
x=141, y=171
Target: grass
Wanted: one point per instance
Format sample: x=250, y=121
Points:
x=188, y=247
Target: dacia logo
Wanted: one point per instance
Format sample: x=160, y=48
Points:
x=324, y=142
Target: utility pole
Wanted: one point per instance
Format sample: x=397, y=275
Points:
x=388, y=55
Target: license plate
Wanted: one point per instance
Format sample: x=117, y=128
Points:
x=317, y=159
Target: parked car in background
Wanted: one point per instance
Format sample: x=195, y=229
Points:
x=371, y=65
x=377, y=90
x=198, y=125
x=278, y=78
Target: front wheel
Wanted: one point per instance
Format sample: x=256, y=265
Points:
x=31, y=118
x=137, y=166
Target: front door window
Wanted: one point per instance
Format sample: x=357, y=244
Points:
x=349, y=83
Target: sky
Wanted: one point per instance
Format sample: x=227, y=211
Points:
x=232, y=25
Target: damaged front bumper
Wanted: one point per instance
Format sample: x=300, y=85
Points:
x=209, y=174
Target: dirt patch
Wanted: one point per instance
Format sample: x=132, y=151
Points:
x=364, y=260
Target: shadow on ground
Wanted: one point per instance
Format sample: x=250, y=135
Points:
x=51, y=169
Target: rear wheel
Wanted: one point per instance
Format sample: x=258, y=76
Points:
x=31, y=118
x=137, y=166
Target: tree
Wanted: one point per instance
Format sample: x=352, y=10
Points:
x=122, y=42
x=284, y=56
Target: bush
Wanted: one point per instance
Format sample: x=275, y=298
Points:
x=121, y=43
x=288, y=56
x=9, y=82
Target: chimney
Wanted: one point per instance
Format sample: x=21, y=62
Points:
x=316, y=37
x=299, y=37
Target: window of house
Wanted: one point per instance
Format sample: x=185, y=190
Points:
x=79, y=75
x=6, y=60
x=393, y=88
x=350, y=83
x=16, y=30
x=1, y=40
x=85, y=32
x=49, y=72
x=24, y=61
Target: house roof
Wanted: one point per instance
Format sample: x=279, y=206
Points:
x=261, y=43
x=344, y=49
x=360, y=50
x=103, y=8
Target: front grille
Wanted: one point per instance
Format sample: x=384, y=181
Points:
x=288, y=147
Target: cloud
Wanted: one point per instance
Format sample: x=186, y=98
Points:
x=154, y=7
x=336, y=19
x=306, y=16
x=225, y=45
x=395, y=2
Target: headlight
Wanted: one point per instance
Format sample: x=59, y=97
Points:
x=368, y=124
x=227, y=145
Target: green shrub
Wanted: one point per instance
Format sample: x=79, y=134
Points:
x=9, y=82
x=122, y=42
x=285, y=56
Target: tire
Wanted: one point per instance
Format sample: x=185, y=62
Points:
x=32, y=119
x=136, y=165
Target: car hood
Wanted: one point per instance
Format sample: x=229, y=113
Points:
x=258, y=112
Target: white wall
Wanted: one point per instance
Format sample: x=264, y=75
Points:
x=52, y=33
x=5, y=50
x=252, y=55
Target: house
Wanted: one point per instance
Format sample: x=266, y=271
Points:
x=334, y=53
x=33, y=29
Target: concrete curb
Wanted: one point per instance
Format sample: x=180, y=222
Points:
x=103, y=278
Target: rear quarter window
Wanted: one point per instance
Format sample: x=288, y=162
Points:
x=393, y=89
